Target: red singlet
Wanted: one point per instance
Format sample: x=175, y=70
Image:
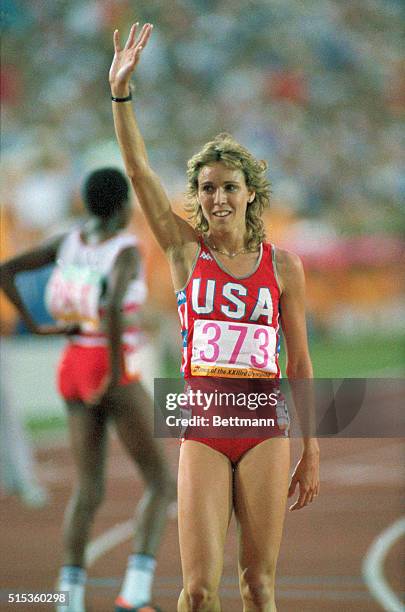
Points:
x=230, y=330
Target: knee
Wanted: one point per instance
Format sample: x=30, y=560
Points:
x=88, y=499
x=200, y=596
x=163, y=488
x=257, y=587
x=157, y=475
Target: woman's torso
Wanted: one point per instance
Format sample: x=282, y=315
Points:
x=230, y=324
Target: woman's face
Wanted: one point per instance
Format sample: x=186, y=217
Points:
x=224, y=196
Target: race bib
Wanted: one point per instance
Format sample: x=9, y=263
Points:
x=73, y=296
x=233, y=350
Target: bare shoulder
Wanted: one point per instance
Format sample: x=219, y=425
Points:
x=182, y=260
x=289, y=268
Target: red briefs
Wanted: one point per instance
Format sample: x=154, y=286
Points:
x=82, y=370
x=230, y=439
x=234, y=449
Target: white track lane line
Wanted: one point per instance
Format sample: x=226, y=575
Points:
x=373, y=566
x=121, y=532
x=107, y=540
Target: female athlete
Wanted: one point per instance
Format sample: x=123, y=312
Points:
x=231, y=287
x=95, y=293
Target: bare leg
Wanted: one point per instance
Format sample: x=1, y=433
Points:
x=132, y=410
x=205, y=509
x=260, y=494
x=88, y=434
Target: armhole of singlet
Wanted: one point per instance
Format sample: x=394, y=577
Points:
x=192, y=268
x=276, y=275
x=129, y=240
x=68, y=244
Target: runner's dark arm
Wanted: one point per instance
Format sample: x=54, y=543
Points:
x=34, y=259
x=124, y=270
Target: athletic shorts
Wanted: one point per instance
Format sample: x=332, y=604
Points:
x=82, y=370
x=231, y=440
x=232, y=448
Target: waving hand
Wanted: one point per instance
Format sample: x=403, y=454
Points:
x=126, y=59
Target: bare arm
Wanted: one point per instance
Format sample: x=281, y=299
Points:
x=293, y=322
x=171, y=232
x=299, y=369
x=31, y=260
x=125, y=267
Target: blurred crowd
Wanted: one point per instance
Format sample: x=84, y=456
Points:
x=313, y=87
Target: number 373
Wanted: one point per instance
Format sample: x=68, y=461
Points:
x=215, y=341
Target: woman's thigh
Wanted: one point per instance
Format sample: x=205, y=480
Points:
x=260, y=495
x=205, y=509
x=132, y=410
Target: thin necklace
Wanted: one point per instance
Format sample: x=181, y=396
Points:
x=211, y=245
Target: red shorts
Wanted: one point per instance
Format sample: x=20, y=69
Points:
x=234, y=449
x=225, y=439
x=82, y=370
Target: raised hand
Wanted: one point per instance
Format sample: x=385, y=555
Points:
x=126, y=59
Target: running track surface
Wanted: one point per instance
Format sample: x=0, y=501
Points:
x=320, y=564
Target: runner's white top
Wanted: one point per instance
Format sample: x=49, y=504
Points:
x=77, y=289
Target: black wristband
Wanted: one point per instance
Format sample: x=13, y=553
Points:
x=126, y=99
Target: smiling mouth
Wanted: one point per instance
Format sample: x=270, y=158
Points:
x=221, y=213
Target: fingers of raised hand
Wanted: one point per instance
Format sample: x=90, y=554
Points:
x=133, y=43
x=145, y=35
x=116, y=39
x=131, y=36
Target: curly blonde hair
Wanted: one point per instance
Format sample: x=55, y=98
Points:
x=225, y=149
